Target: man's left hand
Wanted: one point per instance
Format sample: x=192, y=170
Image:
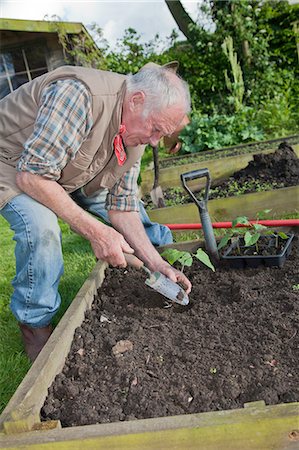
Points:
x=175, y=275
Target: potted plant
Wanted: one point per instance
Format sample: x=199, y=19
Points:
x=255, y=244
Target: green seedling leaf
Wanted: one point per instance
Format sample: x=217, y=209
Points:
x=186, y=259
x=282, y=235
x=269, y=233
x=261, y=214
x=242, y=220
x=223, y=242
x=251, y=239
x=171, y=255
x=259, y=227
x=255, y=238
x=247, y=238
x=204, y=258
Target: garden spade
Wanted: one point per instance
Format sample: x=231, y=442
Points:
x=159, y=282
x=202, y=205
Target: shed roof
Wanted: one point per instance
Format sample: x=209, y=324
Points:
x=43, y=26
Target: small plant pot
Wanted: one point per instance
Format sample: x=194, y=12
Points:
x=269, y=254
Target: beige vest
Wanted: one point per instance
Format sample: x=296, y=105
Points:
x=95, y=165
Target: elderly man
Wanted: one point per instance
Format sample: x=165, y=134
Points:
x=65, y=136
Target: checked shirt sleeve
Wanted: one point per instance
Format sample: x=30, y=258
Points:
x=63, y=122
x=124, y=194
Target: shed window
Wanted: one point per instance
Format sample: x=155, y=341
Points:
x=19, y=65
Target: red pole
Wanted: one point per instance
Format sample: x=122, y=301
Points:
x=268, y=223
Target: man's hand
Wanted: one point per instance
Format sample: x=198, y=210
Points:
x=131, y=227
x=175, y=275
x=110, y=246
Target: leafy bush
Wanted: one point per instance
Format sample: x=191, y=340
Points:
x=273, y=117
x=220, y=130
x=277, y=116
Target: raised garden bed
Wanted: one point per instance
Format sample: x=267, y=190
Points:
x=269, y=181
x=136, y=356
x=264, y=172
x=222, y=163
x=234, y=344
x=241, y=149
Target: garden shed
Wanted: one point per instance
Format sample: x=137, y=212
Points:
x=30, y=48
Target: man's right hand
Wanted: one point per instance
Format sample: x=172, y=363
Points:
x=110, y=246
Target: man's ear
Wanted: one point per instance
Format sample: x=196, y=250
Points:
x=136, y=101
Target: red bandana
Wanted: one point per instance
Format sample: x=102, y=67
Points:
x=119, y=146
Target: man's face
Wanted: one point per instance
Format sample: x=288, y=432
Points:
x=142, y=130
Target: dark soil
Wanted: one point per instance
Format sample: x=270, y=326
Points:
x=264, y=172
x=136, y=356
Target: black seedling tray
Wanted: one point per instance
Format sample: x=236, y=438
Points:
x=244, y=261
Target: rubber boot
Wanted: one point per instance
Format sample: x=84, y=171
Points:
x=34, y=339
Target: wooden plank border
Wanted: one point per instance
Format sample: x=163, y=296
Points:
x=280, y=201
x=23, y=410
x=255, y=427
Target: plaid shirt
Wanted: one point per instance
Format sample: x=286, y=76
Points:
x=63, y=123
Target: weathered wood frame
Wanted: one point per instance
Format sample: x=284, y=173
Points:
x=280, y=201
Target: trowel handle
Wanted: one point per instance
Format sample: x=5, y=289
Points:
x=133, y=261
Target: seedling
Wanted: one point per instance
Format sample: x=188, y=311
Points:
x=251, y=234
x=186, y=259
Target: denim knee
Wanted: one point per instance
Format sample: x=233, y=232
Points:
x=39, y=262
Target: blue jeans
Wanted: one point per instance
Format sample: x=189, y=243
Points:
x=158, y=234
x=39, y=260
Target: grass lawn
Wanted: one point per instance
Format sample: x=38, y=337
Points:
x=79, y=260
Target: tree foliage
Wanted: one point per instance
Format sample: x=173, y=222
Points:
x=252, y=93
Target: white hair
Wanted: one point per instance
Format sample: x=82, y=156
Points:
x=162, y=88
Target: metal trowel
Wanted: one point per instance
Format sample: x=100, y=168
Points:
x=159, y=282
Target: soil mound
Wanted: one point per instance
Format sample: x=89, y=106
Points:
x=282, y=166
